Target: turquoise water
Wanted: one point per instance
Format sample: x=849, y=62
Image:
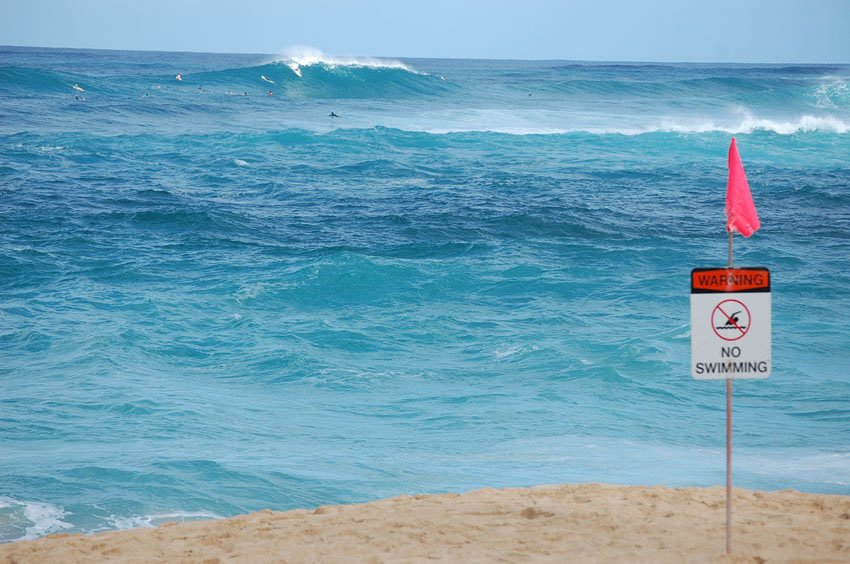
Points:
x=213, y=300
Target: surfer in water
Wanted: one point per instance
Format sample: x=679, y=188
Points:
x=333, y=115
x=179, y=76
x=267, y=79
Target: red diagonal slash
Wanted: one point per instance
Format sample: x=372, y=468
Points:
x=735, y=323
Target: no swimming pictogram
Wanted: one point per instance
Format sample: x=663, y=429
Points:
x=730, y=320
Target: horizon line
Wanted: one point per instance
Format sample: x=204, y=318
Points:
x=615, y=61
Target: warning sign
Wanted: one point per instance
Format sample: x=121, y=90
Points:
x=730, y=323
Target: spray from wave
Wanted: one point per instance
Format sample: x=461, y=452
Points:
x=296, y=58
x=749, y=124
x=832, y=94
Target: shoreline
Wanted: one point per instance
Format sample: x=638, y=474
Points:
x=555, y=523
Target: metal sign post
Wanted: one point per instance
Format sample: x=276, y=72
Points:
x=730, y=337
x=729, y=439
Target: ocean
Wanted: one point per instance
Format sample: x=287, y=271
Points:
x=216, y=298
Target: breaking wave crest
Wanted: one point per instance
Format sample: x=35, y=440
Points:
x=832, y=94
x=511, y=123
x=310, y=74
x=296, y=58
x=803, y=124
x=300, y=73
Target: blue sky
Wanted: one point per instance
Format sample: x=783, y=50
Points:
x=612, y=30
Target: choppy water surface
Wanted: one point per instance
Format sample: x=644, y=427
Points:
x=215, y=300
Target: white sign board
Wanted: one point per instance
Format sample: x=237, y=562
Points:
x=730, y=323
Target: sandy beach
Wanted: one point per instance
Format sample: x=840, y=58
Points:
x=558, y=523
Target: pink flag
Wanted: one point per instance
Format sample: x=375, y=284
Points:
x=741, y=213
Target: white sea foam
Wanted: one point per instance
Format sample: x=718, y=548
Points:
x=749, y=124
x=150, y=521
x=832, y=94
x=799, y=464
x=298, y=57
x=551, y=121
x=513, y=350
x=240, y=162
x=296, y=68
x=33, y=519
x=520, y=125
x=620, y=460
x=782, y=128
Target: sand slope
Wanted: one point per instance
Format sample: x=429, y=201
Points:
x=567, y=523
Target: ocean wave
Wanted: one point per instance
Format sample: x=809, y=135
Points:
x=155, y=520
x=803, y=124
x=304, y=74
x=832, y=94
x=27, y=520
x=298, y=57
x=320, y=77
x=750, y=124
x=13, y=79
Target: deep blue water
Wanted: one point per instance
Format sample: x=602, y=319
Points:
x=213, y=300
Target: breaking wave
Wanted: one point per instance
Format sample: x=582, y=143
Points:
x=803, y=124
x=513, y=123
x=296, y=58
x=833, y=93
x=300, y=73
x=307, y=73
x=155, y=520
x=27, y=520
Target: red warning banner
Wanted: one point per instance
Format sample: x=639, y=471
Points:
x=711, y=280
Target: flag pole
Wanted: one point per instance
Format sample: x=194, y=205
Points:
x=741, y=216
x=729, y=441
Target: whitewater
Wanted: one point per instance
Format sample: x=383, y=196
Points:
x=215, y=297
